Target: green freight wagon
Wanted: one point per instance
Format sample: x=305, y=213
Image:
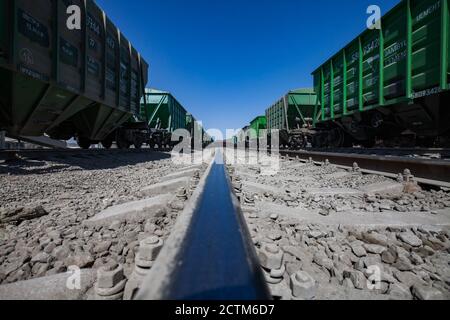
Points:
x=163, y=111
x=207, y=140
x=190, y=123
x=256, y=125
x=243, y=136
x=392, y=82
x=294, y=111
x=197, y=132
x=84, y=83
x=193, y=126
x=163, y=115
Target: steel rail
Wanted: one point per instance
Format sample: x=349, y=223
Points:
x=42, y=153
x=426, y=171
x=443, y=152
x=216, y=259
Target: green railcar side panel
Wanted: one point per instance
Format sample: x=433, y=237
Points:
x=327, y=99
x=178, y=115
x=124, y=74
x=352, y=59
x=395, y=54
x=318, y=89
x=5, y=99
x=276, y=116
x=338, y=73
x=96, y=54
x=70, y=54
x=426, y=44
x=112, y=77
x=371, y=66
x=4, y=37
x=135, y=85
x=446, y=26
x=189, y=121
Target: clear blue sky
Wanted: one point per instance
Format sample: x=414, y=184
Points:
x=226, y=61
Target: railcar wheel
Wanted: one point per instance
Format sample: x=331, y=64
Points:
x=336, y=138
x=369, y=143
x=122, y=143
x=138, y=142
x=83, y=143
x=123, y=146
x=107, y=144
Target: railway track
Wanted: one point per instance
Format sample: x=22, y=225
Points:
x=223, y=267
x=241, y=235
x=425, y=171
x=385, y=162
x=11, y=155
x=335, y=225
x=430, y=153
x=209, y=255
x=98, y=208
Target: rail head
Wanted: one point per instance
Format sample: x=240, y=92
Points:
x=209, y=254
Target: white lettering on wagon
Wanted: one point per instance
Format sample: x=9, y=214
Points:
x=395, y=53
x=426, y=93
x=431, y=9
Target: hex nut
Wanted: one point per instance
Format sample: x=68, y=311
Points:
x=107, y=278
x=303, y=286
x=149, y=248
x=271, y=257
x=270, y=279
x=109, y=292
x=115, y=297
x=139, y=262
x=278, y=273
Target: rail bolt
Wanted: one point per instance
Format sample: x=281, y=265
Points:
x=149, y=248
x=303, y=286
x=270, y=256
x=407, y=175
x=109, y=276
